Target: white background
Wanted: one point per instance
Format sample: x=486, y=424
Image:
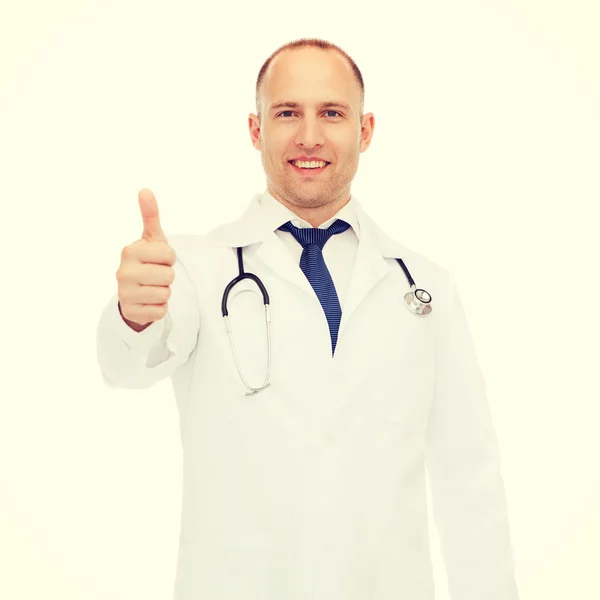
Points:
x=485, y=158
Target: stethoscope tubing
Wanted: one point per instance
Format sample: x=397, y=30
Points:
x=417, y=300
x=265, y=294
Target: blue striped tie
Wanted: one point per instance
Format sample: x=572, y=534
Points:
x=316, y=271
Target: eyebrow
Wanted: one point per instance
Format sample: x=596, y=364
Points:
x=321, y=105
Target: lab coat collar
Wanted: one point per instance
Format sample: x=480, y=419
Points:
x=252, y=228
x=370, y=264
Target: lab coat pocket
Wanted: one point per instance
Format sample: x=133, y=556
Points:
x=408, y=409
x=221, y=573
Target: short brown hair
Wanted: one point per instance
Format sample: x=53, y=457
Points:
x=310, y=43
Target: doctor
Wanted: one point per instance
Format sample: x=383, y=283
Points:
x=308, y=431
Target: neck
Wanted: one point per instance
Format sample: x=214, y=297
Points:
x=315, y=215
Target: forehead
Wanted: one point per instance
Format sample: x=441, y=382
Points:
x=309, y=76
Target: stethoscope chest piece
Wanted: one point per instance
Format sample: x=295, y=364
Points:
x=418, y=301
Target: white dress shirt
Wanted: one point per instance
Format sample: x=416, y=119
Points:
x=338, y=253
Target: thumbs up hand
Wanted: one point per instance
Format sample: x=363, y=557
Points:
x=149, y=208
x=146, y=271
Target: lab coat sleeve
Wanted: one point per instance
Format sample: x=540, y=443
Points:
x=138, y=360
x=463, y=461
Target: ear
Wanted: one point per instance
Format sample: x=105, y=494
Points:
x=366, y=131
x=254, y=129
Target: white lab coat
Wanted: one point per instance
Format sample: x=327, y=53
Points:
x=315, y=487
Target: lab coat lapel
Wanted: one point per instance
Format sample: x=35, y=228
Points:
x=250, y=229
x=277, y=258
x=370, y=265
x=369, y=269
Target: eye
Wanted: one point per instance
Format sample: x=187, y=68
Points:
x=327, y=111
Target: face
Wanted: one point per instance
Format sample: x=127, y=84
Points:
x=310, y=77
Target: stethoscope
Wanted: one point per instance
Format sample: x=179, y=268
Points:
x=417, y=300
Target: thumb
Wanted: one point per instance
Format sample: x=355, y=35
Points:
x=149, y=208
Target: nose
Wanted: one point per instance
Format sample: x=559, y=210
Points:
x=310, y=133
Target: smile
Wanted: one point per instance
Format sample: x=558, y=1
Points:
x=308, y=171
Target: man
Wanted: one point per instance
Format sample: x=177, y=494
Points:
x=304, y=468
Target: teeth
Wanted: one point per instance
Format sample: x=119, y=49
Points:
x=309, y=165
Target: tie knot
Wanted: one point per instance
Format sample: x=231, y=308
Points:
x=314, y=235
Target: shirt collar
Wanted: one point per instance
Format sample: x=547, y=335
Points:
x=276, y=214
